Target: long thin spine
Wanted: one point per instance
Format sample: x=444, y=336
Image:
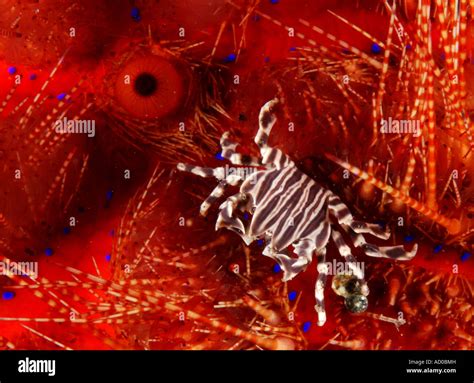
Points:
x=30, y=109
x=376, y=64
x=41, y=128
x=53, y=300
x=431, y=158
x=384, y=71
x=462, y=48
x=7, y=98
x=41, y=335
x=133, y=296
x=57, y=179
x=29, y=195
x=85, y=161
x=405, y=186
x=452, y=225
x=279, y=343
x=358, y=29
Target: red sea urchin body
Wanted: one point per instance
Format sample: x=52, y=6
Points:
x=197, y=69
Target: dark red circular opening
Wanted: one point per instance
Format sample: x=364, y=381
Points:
x=149, y=87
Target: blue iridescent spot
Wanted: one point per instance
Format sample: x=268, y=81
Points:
x=246, y=216
x=112, y=232
x=135, y=13
x=292, y=295
x=109, y=195
x=274, y=1
x=48, y=251
x=465, y=256
x=437, y=249
x=260, y=242
x=218, y=156
x=306, y=326
x=409, y=238
x=108, y=257
x=276, y=268
x=12, y=70
x=230, y=58
x=33, y=76
x=408, y=46
x=381, y=224
x=7, y=295
x=292, y=49
x=66, y=230
x=266, y=59
x=61, y=96
x=375, y=48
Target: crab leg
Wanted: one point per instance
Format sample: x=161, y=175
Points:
x=229, y=152
x=320, y=285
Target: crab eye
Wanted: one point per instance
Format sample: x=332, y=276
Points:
x=356, y=303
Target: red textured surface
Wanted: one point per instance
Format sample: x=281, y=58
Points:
x=105, y=34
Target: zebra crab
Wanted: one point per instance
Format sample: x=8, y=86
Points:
x=290, y=208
